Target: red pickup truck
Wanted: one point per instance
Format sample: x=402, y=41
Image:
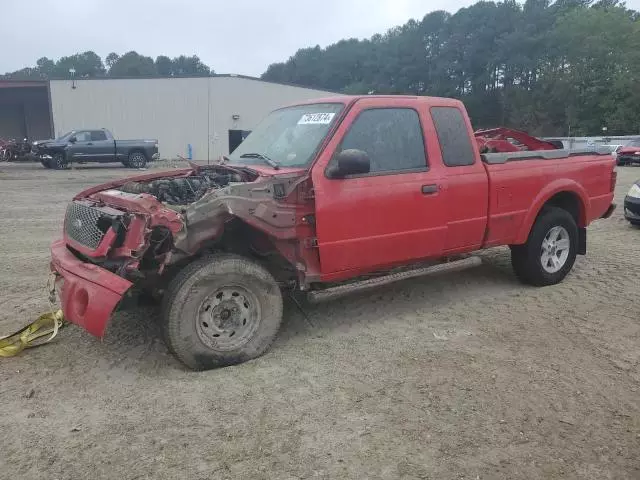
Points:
x=321, y=198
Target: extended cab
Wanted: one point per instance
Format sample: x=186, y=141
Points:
x=83, y=146
x=317, y=197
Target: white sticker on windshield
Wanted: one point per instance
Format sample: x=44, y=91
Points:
x=316, y=118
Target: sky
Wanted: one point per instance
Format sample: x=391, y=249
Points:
x=231, y=36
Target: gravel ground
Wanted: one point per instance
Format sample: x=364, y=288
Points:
x=469, y=375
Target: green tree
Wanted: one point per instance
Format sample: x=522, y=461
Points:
x=164, y=66
x=540, y=66
x=189, y=66
x=132, y=64
x=87, y=65
x=111, y=59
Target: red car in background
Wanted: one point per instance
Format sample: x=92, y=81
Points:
x=629, y=154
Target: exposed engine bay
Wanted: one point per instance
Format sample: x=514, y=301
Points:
x=183, y=190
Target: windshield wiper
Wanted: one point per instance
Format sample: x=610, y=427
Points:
x=275, y=165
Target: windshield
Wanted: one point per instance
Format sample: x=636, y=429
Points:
x=68, y=134
x=288, y=137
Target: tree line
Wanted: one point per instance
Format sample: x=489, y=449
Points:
x=570, y=67
x=90, y=65
x=564, y=68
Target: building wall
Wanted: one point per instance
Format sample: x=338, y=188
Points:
x=11, y=122
x=24, y=112
x=176, y=111
x=170, y=110
x=251, y=100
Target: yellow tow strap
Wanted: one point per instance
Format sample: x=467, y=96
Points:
x=31, y=335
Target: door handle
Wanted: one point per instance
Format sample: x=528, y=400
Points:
x=89, y=143
x=429, y=189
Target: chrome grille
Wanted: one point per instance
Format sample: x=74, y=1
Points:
x=81, y=225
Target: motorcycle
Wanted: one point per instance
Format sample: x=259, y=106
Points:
x=4, y=154
x=13, y=150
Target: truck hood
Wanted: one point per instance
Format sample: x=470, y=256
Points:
x=50, y=143
x=629, y=150
x=195, y=204
x=253, y=172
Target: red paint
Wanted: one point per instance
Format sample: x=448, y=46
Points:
x=338, y=229
x=628, y=150
x=89, y=293
x=497, y=140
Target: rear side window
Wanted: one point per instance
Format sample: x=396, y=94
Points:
x=392, y=137
x=98, y=135
x=453, y=136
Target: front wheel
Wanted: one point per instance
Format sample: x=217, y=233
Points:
x=221, y=310
x=550, y=251
x=137, y=160
x=58, y=161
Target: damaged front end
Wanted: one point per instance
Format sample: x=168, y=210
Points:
x=134, y=231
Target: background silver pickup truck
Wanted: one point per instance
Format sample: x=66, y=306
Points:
x=83, y=146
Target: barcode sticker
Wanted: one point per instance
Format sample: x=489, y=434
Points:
x=316, y=119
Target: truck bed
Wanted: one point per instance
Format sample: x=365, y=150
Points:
x=500, y=158
x=521, y=182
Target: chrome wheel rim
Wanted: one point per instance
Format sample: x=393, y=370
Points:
x=137, y=160
x=555, y=249
x=228, y=318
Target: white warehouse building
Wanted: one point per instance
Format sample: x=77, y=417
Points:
x=205, y=115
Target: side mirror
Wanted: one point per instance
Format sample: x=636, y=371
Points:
x=72, y=140
x=349, y=162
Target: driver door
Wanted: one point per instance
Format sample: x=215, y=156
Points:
x=395, y=214
x=78, y=151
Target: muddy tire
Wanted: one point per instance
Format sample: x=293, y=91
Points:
x=221, y=310
x=550, y=251
x=136, y=159
x=58, y=161
x=45, y=164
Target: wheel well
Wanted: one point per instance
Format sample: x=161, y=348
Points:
x=243, y=239
x=569, y=202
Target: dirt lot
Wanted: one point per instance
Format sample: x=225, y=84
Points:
x=468, y=376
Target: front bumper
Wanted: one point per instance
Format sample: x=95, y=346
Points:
x=632, y=209
x=89, y=294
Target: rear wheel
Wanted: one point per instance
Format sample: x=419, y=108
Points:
x=137, y=160
x=550, y=251
x=221, y=310
x=45, y=163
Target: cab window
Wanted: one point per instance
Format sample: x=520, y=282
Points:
x=391, y=137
